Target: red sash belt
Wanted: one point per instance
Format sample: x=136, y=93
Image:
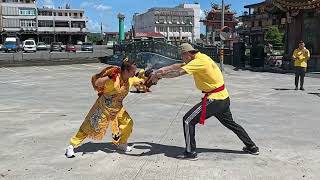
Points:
x=204, y=102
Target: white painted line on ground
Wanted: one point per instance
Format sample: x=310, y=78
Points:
x=70, y=67
x=42, y=68
x=9, y=69
x=14, y=81
x=30, y=112
x=88, y=65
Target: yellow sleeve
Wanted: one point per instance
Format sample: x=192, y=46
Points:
x=134, y=81
x=109, y=86
x=194, y=66
x=308, y=54
x=295, y=53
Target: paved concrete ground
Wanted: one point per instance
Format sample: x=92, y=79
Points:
x=42, y=107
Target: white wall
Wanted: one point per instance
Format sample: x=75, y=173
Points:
x=196, y=23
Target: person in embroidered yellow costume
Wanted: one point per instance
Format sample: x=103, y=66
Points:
x=112, y=85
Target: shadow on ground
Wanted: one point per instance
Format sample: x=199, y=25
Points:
x=316, y=94
x=283, y=89
x=151, y=149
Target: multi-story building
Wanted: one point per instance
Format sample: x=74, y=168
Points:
x=63, y=24
x=213, y=22
x=258, y=19
x=18, y=18
x=176, y=24
x=22, y=18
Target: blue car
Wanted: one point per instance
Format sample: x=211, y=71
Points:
x=10, y=46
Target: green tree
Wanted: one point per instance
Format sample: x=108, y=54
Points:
x=94, y=37
x=274, y=36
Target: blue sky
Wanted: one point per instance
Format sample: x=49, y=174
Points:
x=105, y=11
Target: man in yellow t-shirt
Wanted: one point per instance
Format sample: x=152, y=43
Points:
x=300, y=56
x=208, y=79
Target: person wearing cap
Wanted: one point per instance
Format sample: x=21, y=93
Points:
x=300, y=56
x=208, y=79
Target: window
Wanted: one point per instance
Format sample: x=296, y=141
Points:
x=65, y=14
x=274, y=21
x=62, y=24
x=27, y=23
x=60, y=14
x=252, y=24
x=45, y=23
x=81, y=15
x=78, y=24
x=54, y=13
x=27, y=12
x=260, y=23
x=75, y=14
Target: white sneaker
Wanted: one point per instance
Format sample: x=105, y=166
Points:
x=124, y=147
x=69, y=152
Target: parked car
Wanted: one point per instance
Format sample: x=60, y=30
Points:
x=110, y=44
x=87, y=46
x=12, y=44
x=1, y=47
x=56, y=46
x=41, y=46
x=29, y=45
x=70, y=48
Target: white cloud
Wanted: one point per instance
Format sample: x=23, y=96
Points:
x=95, y=26
x=46, y=3
x=202, y=14
x=101, y=7
x=98, y=7
x=49, y=2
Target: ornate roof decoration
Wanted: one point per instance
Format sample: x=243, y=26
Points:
x=296, y=4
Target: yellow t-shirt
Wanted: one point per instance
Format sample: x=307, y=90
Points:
x=207, y=75
x=302, y=58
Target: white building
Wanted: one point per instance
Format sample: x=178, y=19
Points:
x=180, y=23
x=22, y=18
x=61, y=24
x=18, y=18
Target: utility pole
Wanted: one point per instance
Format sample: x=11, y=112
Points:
x=221, y=41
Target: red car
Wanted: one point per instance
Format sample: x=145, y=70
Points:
x=70, y=48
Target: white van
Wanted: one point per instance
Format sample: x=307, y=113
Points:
x=29, y=46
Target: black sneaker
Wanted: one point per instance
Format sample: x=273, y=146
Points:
x=189, y=156
x=302, y=89
x=254, y=150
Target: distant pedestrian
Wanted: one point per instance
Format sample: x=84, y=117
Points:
x=300, y=56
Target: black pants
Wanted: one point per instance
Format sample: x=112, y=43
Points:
x=221, y=110
x=300, y=73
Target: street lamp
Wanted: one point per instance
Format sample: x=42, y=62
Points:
x=221, y=41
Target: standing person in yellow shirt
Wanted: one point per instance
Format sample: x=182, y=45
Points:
x=208, y=79
x=300, y=56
